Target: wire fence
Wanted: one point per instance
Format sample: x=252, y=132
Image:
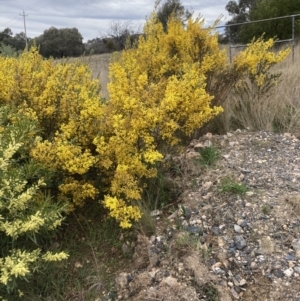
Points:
x=294, y=41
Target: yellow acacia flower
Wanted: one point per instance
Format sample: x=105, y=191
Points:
x=48, y=256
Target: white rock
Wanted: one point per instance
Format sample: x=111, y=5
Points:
x=180, y=268
x=240, y=221
x=155, y=212
x=170, y=281
x=230, y=284
x=153, y=273
x=289, y=272
x=122, y=280
x=238, y=229
x=198, y=146
x=192, y=155
x=207, y=143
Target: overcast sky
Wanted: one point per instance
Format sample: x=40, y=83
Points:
x=91, y=17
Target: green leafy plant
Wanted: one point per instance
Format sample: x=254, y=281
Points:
x=265, y=209
x=209, y=155
x=8, y=51
x=231, y=186
x=27, y=214
x=210, y=292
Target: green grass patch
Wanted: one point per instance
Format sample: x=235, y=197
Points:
x=265, y=209
x=231, y=186
x=210, y=292
x=209, y=155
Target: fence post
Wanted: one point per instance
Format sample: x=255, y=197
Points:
x=229, y=40
x=293, y=37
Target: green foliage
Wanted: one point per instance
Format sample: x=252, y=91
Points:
x=26, y=212
x=16, y=41
x=210, y=292
x=174, y=8
x=7, y=50
x=209, y=155
x=94, y=244
x=58, y=43
x=239, y=12
x=230, y=185
x=252, y=97
x=110, y=44
x=160, y=92
x=280, y=28
x=265, y=209
x=253, y=10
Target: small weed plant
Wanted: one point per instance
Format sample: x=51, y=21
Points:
x=210, y=292
x=231, y=186
x=209, y=155
x=265, y=209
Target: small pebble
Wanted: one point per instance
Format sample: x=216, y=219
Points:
x=288, y=272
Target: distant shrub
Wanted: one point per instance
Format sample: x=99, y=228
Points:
x=7, y=50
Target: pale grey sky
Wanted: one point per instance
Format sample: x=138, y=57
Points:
x=91, y=17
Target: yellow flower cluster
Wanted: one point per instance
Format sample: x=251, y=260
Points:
x=17, y=264
x=257, y=59
x=79, y=191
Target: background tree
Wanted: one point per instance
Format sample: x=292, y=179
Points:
x=119, y=31
x=16, y=42
x=280, y=28
x=239, y=11
x=64, y=42
x=169, y=7
x=116, y=37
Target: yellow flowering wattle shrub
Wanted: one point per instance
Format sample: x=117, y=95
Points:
x=160, y=92
x=25, y=211
x=65, y=101
x=157, y=96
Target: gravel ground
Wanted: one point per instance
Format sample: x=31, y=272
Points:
x=239, y=244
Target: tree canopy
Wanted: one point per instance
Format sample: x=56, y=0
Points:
x=253, y=10
x=169, y=7
x=62, y=42
x=239, y=12
x=16, y=42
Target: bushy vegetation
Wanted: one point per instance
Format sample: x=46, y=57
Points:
x=16, y=42
x=26, y=211
x=170, y=85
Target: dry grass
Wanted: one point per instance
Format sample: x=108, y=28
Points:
x=99, y=64
x=277, y=111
